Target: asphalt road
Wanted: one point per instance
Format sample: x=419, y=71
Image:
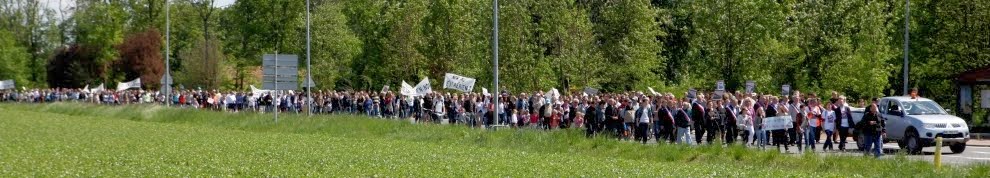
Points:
x=972, y=154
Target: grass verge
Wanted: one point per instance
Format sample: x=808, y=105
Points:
x=86, y=140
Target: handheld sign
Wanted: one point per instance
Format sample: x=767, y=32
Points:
x=785, y=90
x=777, y=123
x=750, y=86
x=692, y=93
x=719, y=90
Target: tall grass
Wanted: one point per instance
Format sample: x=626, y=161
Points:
x=565, y=142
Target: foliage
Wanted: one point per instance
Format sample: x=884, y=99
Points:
x=74, y=67
x=203, y=66
x=850, y=46
x=13, y=64
x=140, y=57
x=78, y=139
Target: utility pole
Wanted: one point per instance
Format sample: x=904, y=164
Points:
x=907, y=16
x=495, y=55
x=309, y=73
x=168, y=75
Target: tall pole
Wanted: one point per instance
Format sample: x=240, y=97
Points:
x=495, y=54
x=309, y=73
x=275, y=84
x=168, y=75
x=907, y=12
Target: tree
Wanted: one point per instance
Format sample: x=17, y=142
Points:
x=202, y=70
x=627, y=35
x=74, y=67
x=13, y=66
x=731, y=38
x=141, y=57
x=335, y=45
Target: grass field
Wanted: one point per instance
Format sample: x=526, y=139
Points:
x=153, y=141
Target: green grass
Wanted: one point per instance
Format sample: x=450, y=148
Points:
x=84, y=140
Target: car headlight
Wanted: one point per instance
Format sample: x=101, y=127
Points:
x=929, y=126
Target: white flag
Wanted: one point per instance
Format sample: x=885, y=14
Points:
x=136, y=83
x=554, y=93
x=7, y=84
x=407, y=89
x=459, y=83
x=423, y=87
x=86, y=89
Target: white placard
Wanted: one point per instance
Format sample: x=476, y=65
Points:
x=720, y=85
x=777, y=123
x=459, y=83
x=7, y=84
x=785, y=90
x=750, y=86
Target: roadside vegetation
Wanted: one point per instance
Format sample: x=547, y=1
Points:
x=86, y=140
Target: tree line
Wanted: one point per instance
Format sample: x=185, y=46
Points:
x=852, y=46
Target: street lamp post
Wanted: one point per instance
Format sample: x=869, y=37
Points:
x=495, y=54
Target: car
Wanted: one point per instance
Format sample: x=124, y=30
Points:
x=914, y=123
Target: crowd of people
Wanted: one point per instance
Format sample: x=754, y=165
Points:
x=697, y=118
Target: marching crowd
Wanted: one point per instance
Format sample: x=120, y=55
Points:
x=725, y=118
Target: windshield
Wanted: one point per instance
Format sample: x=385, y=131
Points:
x=922, y=108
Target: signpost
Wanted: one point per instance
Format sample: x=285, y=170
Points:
x=281, y=72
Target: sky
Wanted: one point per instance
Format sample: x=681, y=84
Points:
x=66, y=4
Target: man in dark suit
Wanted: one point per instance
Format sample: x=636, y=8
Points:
x=698, y=115
x=845, y=121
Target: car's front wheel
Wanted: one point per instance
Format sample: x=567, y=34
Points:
x=912, y=143
x=957, y=148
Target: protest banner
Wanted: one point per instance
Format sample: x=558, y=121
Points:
x=459, y=83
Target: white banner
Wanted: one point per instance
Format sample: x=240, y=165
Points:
x=423, y=87
x=590, y=91
x=777, y=123
x=407, y=89
x=97, y=89
x=554, y=94
x=258, y=92
x=136, y=83
x=7, y=84
x=459, y=83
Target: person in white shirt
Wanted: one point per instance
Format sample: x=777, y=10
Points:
x=745, y=123
x=829, y=127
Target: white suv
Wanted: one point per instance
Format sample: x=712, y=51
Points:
x=914, y=124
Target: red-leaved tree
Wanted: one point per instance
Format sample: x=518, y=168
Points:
x=141, y=56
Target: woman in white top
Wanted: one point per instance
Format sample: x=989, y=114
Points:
x=829, y=127
x=745, y=122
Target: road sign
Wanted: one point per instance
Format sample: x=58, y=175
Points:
x=280, y=72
